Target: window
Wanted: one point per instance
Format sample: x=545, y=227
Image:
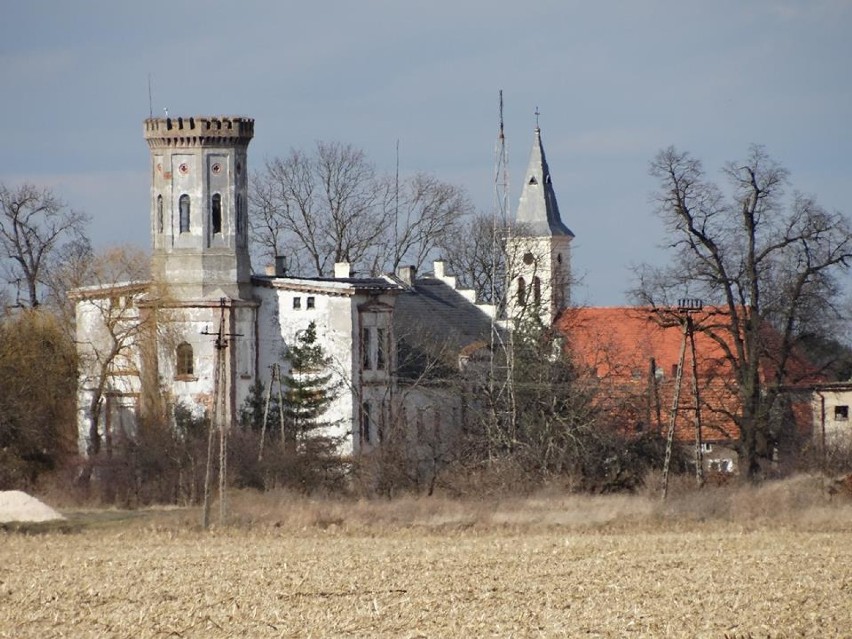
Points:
x=706, y=448
x=537, y=290
x=674, y=370
x=365, y=423
x=216, y=213
x=185, y=365
x=297, y=303
x=183, y=205
x=366, y=347
x=159, y=214
x=380, y=348
x=841, y=413
x=533, y=180
x=311, y=301
x=240, y=216
x=522, y=291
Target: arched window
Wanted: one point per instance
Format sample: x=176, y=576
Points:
x=183, y=205
x=216, y=213
x=184, y=359
x=522, y=291
x=159, y=214
x=240, y=216
x=537, y=290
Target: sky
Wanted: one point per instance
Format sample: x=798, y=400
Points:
x=614, y=81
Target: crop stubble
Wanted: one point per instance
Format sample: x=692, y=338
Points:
x=708, y=580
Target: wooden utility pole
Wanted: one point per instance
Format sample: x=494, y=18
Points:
x=218, y=422
x=685, y=309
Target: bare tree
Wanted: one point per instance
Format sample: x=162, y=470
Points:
x=475, y=253
x=331, y=206
x=33, y=225
x=428, y=213
x=111, y=331
x=329, y=201
x=770, y=265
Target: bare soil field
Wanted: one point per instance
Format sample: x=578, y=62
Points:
x=774, y=562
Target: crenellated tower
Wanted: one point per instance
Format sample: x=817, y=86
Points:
x=199, y=205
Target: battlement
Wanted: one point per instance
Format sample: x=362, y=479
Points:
x=198, y=131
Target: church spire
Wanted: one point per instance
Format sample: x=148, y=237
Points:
x=538, y=212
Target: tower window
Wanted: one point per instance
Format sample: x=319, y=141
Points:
x=297, y=302
x=533, y=180
x=216, y=213
x=537, y=290
x=240, y=216
x=159, y=214
x=559, y=258
x=183, y=205
x=311, y=301
x=185, y=365
x=522, y=291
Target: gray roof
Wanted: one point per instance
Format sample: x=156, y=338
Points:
x=434, y=324
x=538, y=212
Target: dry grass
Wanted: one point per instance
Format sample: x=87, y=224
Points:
x=737, y=562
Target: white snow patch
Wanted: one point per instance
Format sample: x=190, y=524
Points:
x=19, y=506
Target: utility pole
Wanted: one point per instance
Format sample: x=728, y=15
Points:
x=686, y=308
x=218, y=421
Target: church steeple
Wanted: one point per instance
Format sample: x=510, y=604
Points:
x=538, y=211
x=538, y=251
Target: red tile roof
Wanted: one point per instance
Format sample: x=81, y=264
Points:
x=617, y=344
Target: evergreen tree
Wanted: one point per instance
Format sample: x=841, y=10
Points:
x=309, y=387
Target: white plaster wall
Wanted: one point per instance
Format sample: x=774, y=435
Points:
x=838, y=432
x=278, y=325
x=93, y=347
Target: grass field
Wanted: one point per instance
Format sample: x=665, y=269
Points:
x=774, y=562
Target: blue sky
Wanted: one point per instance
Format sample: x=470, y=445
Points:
x=615, y=82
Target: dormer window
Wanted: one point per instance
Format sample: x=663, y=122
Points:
x=533, y=180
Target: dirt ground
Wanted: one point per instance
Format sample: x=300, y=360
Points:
x=549, y=567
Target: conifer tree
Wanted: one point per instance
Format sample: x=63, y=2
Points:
x=309, y=387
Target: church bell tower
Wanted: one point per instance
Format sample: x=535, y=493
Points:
x=538, y=256
x=199, y=204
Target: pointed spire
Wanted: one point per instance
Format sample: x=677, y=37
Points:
x=538, y=212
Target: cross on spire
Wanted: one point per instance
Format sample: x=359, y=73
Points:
x=537, y=113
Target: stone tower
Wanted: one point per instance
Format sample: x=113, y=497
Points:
x=538, y=255
x=199, y=226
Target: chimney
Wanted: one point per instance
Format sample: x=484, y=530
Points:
x=407, y=274
x=342, y=270
x=438, y=268
x=280, y=266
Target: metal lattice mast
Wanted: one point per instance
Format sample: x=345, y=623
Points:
x=500, y=231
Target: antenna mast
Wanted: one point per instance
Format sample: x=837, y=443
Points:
x=502, y=389
x=150, y=99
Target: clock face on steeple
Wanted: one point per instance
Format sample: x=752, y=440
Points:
x=529, y=258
